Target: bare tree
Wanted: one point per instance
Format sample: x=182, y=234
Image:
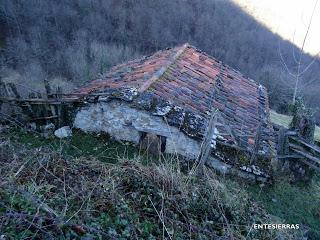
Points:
x=301, y=68
x=77, y=40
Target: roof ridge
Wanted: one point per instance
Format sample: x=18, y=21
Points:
x=163, y=69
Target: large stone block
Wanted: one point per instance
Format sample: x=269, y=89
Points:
x=126, y=123
x=183, y=145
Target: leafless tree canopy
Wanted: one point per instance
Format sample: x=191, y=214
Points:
x=79, y=39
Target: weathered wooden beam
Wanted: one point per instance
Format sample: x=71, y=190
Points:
x=308, y=156
x=291, y=133
x=282, y=146
x=256, y=144
x=44, y=118
x=288, y=156
x=205, y=149
x=59, y=108
x=40, y=100
x=309, y=145
x=47, y=87
x=295, y=146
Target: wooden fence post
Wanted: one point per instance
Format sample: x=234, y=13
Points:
x=256, y=146
x=205, y=149
x=282, y=146
x=2, y=92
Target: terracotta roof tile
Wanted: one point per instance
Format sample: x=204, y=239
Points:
x=195, y=81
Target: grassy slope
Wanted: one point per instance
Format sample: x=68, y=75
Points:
x=293, y=202
x=126, y=197
x=284, y=120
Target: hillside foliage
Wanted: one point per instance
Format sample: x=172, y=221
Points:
x=49, y=191
x=77, y=40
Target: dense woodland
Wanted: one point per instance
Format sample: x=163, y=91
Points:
x=89, y=186
x=76, y=40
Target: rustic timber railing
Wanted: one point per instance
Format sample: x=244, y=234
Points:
x=295, y=148
x=48, y=107
x=38, y=107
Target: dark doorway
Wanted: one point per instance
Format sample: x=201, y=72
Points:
x=153, y=143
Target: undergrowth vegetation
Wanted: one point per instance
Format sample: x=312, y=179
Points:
x=48, y=191
x=98, y=146
x=296, y=203
x=75, y=41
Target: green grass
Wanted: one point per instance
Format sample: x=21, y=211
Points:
x=83, y=198
x=99, y=146
x=291, y=202
x=280, y=119
x=284, y=120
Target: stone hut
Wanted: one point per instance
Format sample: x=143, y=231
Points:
x=171, y=94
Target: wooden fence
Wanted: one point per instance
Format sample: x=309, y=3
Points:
x=295, y=148
x=37, y=107
x=53, y=107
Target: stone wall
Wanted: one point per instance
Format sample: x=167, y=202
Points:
x=126, y=123
x=123, y=122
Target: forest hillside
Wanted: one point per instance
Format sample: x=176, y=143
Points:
x=71, y=42
x=59, y=181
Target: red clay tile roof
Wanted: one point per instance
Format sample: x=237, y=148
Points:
x=186, y=78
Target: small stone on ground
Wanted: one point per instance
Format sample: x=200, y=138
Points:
x=63, y=132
